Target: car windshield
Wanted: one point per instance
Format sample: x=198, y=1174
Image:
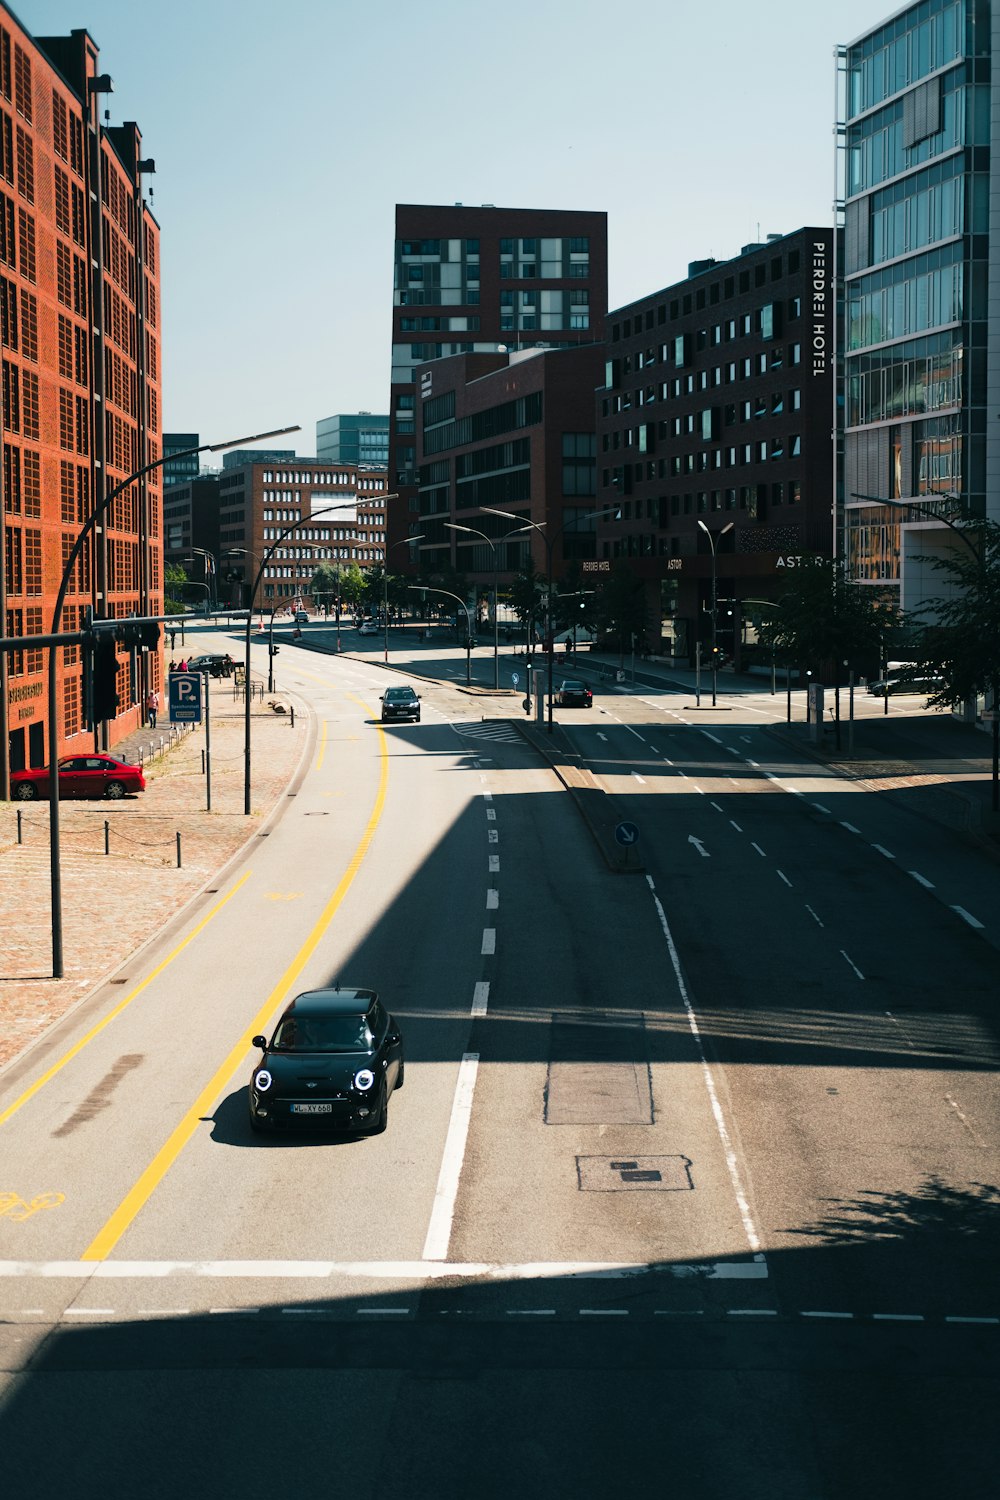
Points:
x=323, y=1034
x=573, y=687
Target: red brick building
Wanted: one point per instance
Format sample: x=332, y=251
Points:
x=80, y=305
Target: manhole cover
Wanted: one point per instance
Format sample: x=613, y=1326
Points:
x=631, y=1174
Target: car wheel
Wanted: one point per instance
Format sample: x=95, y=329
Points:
x=25, y=791
x=401, y=1074
x=382, y=1118
x=115, y=790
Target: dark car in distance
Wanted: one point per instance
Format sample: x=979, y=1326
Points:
x=334, y=1059
x=215, y=663
x=571, y=693
x=80, y=776
x=400, y=703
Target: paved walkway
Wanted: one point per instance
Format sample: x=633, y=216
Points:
x=114, y=902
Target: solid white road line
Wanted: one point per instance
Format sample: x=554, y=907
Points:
x=443, y=1212
x=749, y=1228
x=371, y=1270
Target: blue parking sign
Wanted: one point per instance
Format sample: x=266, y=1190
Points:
x=184, y=697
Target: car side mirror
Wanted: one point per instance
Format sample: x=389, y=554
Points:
x=261, y=1042
x=381, y=697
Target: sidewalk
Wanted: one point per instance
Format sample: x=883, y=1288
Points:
x=112, y=904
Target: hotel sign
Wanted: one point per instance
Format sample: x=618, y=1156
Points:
x=820, y=291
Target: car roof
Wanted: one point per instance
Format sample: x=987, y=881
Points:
x=403, y=690
x=572, y=682
x=339, y=1002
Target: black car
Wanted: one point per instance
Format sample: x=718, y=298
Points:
x=335, y=1057
x=574, y=694
x=216, y=664
x=400, y=703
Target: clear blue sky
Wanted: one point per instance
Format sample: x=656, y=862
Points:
x=284, y=134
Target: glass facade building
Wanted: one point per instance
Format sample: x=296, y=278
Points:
x=919, y=279
x=354, y=438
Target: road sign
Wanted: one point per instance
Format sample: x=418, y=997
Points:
x=184, y=689
x=627, y=834
x=515, y=678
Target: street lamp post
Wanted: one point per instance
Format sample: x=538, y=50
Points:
x=454, y=526
x=209, y=572
x=385, y=583
x=268, y=554
x=415, y=588
x=712, y=535
x=89, y=525
x=549, y=541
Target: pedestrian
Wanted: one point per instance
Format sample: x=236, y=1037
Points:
x=183, y=664
x=173, y=666
x=173, y=639
x=152, y=706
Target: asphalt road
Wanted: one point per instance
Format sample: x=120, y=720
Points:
x=692, y=1183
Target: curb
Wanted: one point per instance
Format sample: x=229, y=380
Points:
x=594, y=804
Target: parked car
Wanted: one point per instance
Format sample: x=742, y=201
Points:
x=899, y=682
x=572, y=693
x=80, y=776
x=215, y=663
x=400, y=703
x=335, y=1057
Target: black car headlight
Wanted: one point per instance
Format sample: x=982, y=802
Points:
x=262, y=1080
x=363, y=1079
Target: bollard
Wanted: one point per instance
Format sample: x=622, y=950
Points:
x=20, y=839
x=140, y=757
x=107, y=837
x=178, y=848
x=293, y=715
x=203, y=762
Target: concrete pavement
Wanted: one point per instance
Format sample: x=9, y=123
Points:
x=113, y=903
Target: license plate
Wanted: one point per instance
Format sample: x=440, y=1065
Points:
x=312, y=1109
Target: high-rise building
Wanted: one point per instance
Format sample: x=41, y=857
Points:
x=180, y=470
x=80, y=303
x=354, y=438
x=475, y=281
x=713, y=437
x=919, y=151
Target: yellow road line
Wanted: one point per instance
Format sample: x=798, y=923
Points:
x=136, y=1199
x=40, y=1083
x=322, y=746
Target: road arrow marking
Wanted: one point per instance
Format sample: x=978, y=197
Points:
x=699, y=846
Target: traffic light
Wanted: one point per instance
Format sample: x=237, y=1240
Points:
x=104, y=677
x=149, y=634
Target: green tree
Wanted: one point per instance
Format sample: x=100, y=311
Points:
x=525, y=594
x=352, y=586
x=958, y=636
x=174, y=579
x=828, y=624
x=323, y=585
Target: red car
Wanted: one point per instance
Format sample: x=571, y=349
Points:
x=80, y=776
